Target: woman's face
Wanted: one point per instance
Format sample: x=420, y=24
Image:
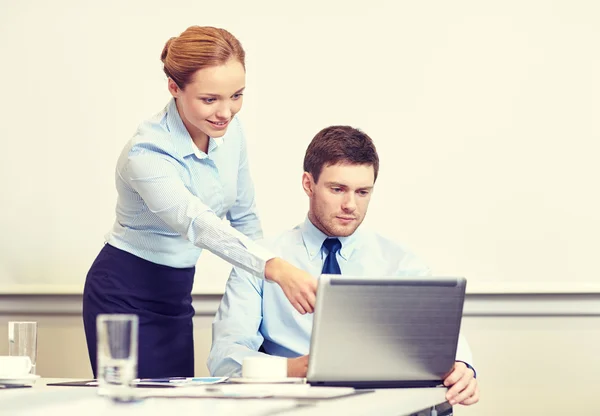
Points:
x=208, y=103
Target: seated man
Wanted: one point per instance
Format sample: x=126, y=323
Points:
x=341, y=166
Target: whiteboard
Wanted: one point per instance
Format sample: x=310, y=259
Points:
x=486, y=116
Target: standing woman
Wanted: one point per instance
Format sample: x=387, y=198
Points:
x=183, y=171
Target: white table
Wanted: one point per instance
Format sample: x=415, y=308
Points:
x=60, y=400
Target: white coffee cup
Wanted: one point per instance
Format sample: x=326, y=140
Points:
x=264, y=367
x=15, y=366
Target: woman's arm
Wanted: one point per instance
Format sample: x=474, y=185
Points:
x=155, y=177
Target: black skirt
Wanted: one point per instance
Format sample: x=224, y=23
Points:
x=120, y=282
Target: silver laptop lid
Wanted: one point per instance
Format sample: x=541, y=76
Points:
x=385, y=329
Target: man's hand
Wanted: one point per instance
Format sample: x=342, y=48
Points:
x=299, y=287
x=462, y=385
x=297, y=367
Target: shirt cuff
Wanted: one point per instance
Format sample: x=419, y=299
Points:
x=468, y=366
x=230, y=244
x=260, y=253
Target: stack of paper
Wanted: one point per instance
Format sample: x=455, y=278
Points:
x=245, y=391
x=178, y=381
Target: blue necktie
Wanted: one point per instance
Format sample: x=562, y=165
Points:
x=331, y=265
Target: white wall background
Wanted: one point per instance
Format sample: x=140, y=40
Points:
x=486, y=116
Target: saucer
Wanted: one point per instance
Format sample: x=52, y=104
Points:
x=28, y=379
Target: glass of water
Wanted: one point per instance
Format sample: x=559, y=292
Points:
x=22, y=341
x=117, y=353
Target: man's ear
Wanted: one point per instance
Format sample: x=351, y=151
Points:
x=173, y=88
x=308, y=184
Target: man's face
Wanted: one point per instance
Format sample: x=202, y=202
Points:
x=339, y=200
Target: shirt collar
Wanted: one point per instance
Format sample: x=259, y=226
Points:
x=313, y=241
x=181, y=137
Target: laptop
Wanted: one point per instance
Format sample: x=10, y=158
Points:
x=385, y=332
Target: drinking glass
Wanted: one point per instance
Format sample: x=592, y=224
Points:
x=117, y=352
x=22, y=341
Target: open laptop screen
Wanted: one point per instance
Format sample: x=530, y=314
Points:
x=385, y=332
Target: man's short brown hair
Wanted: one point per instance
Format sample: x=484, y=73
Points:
x=340, y=144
